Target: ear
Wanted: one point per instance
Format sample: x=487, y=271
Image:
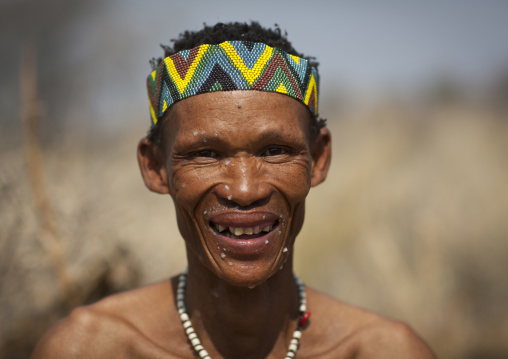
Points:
x=151, y=164
x=321, y=151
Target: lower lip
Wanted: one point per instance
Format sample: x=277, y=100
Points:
x=244, y=248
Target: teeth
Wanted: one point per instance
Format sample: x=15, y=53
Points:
x=238, y=231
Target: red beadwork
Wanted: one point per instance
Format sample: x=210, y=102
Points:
x=222, y=67
x=305, y=318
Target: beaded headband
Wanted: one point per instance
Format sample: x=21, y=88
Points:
x=231, y=65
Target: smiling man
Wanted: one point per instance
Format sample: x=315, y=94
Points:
x=236, y=142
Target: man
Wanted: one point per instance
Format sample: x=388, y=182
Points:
x=236, y=142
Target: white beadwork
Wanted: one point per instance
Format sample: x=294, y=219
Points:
x=195, y=342
x=193, y=338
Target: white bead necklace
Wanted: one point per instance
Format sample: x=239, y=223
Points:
x=193, y=337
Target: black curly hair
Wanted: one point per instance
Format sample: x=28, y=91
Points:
x=221, y=32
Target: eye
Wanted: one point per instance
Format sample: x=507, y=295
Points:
x=206, y=153
x=274, y=151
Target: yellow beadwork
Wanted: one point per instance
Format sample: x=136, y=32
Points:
x=173, y=72
x=231, y=65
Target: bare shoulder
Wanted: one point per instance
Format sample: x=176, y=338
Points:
x=347, y=331
x=125, y=325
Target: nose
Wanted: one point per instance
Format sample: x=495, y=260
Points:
x=244, y=183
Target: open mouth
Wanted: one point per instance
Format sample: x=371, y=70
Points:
x=240, y=232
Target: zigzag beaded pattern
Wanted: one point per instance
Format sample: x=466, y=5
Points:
x=231, y=65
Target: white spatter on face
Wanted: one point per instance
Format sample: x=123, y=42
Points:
x=203, y=132
x=267, y=241
x=227, y=162
x=223, y=255
x=285, y=250
x=205, y=212
x=195, y=133
x=226, y=187
x=215, y=134
x=280, y=232
x=252, y=286
x=264, y=217
x=230, y=263
x=229, y=197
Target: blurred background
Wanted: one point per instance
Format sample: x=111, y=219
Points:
x=408, y=224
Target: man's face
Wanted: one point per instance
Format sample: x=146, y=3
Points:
x=238, y=166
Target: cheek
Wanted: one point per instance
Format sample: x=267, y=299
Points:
x=188, y=188
x=294, y=184
x=188, y=185
x=185, y=189
x=293, y=180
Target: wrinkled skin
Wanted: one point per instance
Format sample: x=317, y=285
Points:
x=245, y=160
x=240, y=159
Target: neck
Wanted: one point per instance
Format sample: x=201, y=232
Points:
x=237, y=322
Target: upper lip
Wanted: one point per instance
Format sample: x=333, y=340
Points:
x=242, y=219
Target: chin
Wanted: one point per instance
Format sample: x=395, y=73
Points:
x=247, y=274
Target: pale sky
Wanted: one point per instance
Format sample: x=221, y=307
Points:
x=364, y=47
x=368, y=44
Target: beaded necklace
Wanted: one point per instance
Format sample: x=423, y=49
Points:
x=193, y=337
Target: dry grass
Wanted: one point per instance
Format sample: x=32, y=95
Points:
x=410, y=223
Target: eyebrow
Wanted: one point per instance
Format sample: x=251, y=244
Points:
x=262, y=135
x=267, y=135
x=270, y=134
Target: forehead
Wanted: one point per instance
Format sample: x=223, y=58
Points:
x=239, y=111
